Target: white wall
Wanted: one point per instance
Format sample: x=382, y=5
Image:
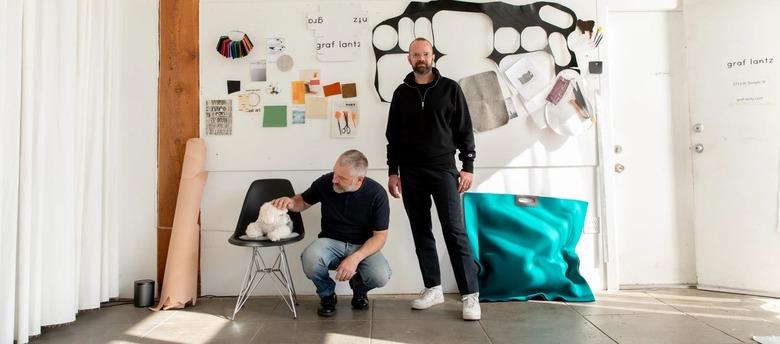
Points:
x=513, y=159
x=135, y=131
x=223, y=265
x=644, y=5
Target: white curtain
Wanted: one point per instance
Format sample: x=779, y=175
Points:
x=10, y=109
x=58, y=247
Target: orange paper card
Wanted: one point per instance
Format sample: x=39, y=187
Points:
x=332, y=89
x=298, y=92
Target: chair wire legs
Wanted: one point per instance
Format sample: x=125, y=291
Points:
x=258, y=270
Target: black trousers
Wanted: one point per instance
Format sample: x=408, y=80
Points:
x=418, y=185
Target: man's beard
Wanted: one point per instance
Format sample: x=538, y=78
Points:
x=422, y=68
x=342, y=189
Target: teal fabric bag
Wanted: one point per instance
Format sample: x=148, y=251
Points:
x=525, y=246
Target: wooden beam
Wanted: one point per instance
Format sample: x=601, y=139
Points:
x=178, y=110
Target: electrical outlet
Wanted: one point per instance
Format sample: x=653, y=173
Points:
x=591, y=226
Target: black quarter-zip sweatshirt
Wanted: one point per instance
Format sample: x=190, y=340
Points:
x=427, y=124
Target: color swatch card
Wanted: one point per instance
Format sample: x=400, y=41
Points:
x=233, y=86
x=349, y=90
x=332, y=89
x=298, y=92
x=275, y=116
x=298, y=114
x=257, y=71
x=316, y=107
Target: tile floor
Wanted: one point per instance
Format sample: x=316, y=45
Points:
x=665, y=316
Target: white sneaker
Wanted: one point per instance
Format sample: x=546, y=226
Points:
x=429, y=297
x=471, y=309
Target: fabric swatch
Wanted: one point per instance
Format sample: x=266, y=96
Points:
x=332, y=89
x=275, y=116
x=316, y=107
x=233, y=86
x=349, y=90
x=298, y=92
x=485, y=101
x=298, y=114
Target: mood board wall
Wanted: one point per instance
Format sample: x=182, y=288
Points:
x=519, y=157
x=467, y=38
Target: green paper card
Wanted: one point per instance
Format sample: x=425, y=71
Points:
x=275, y=116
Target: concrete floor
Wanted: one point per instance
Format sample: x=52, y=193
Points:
x=649, y=316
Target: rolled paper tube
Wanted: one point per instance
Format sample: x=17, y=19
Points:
x=180, y=284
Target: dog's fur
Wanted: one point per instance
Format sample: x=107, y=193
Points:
x=272, y=222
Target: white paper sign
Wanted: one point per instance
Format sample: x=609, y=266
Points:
x=343, y=46
x=337, y=17
x=337, y=30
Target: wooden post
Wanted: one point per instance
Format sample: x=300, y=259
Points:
x=178, y=110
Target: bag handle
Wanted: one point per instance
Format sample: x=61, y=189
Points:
x=526, y=200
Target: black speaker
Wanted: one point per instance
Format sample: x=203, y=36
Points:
x=143, y=295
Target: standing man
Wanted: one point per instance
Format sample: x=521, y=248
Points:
x=428, y=121
x=355, y=217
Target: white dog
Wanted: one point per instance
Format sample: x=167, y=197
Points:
x=272, y=222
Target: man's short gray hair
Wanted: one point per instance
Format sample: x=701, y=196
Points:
x=355, y=159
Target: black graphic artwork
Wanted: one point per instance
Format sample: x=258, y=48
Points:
x=503, y=15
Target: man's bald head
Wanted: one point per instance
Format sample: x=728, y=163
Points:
x=421, y=39
x=421, y=56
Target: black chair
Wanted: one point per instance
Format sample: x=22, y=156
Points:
x=261, y=191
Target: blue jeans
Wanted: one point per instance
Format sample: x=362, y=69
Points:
x=326, y=254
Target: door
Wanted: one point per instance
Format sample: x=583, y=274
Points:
x=653, y=187
x=734, y=70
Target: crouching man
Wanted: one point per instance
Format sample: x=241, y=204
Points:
x=355, y=217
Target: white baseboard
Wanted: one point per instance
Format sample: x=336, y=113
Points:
x=656, y=286
x=739, y=291
x=700, y=287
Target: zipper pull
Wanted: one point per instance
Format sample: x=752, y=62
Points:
x=423, y=105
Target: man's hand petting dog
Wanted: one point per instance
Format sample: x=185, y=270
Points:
x=282, y=203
